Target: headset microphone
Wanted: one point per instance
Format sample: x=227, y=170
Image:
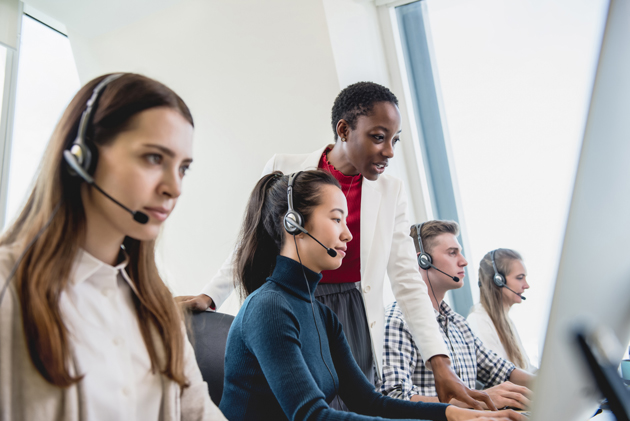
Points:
x=454, y=278
x=71, y=160
x=522, y=298
x=331, y=252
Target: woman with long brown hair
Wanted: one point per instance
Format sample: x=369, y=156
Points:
x=88, y=329
x=502, y=281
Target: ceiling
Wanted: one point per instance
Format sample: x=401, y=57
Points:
x=92, y=18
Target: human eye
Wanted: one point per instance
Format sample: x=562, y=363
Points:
x=154, y=158
x=396, y=140
x=378, y=137
x=184, y=169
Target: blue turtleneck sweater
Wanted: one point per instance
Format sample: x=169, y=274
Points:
x=274, y=368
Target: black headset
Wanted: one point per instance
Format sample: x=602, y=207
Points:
x=424, y=258
x=82, y=155
x=293, y=220
x=498, y=278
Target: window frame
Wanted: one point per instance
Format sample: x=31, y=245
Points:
x=7, y=117
x=431, y=164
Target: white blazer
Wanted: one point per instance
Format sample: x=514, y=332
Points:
x=385, y=247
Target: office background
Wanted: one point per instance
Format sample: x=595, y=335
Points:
x=493, y=96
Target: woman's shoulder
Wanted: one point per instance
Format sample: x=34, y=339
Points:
x=263, y=301
x=478, y=317
x=477, y=311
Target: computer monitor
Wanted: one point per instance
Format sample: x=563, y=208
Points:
x=593, y=283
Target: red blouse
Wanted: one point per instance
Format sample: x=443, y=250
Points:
x=350, y=270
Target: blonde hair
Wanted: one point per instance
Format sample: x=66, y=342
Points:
x=42, y=274
x=492, y=301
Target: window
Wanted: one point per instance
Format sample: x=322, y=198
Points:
x=501, y=92
x=47, y=80
x=3, y=65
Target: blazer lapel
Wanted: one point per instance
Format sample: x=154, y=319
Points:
x=312, y=160
x=370, y=204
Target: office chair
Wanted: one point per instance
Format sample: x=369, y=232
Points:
x=207, y=332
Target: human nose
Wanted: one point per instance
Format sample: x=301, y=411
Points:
x=525, y=284
x=346, y=235
x=171, y=184
x=463, y=262
x=388, y=149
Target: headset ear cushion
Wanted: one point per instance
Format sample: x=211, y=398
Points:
x=86, y=155
x=295, y=217
x=499, y=280
x=424, y=261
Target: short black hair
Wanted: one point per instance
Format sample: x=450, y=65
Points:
x=358, y=99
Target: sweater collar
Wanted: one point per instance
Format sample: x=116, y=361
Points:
x=288, y=274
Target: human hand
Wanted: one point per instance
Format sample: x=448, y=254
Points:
x=510, y=394
x=449, y=386
x=199, y=302
x=454, y=413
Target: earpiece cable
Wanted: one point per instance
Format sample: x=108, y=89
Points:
x=321, y=350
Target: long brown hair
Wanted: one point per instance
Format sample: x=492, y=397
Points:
x=43, y=273
x=262, y=232
x=492, y=301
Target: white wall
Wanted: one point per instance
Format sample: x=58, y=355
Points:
x=259, y=78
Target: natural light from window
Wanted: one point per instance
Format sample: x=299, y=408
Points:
x=47, y=80
x=515, y=78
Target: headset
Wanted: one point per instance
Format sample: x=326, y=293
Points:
x=294, y=221
x=425, y=261
x=82, y=155
x=498, y=278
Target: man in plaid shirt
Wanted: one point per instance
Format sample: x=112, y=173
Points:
x=405, y=375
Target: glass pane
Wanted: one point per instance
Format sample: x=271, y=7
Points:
x=47, y=80
x=515, y=80
x=3, y=65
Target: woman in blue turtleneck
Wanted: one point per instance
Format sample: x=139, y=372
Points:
x=287, y=356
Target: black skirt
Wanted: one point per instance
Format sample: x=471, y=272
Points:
x=346, y=302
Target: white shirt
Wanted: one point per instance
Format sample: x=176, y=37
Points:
x=98, y=310
x=106, y=347
x=483, y=327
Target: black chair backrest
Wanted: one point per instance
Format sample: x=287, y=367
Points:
x=208, y=333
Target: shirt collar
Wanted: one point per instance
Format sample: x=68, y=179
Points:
x=87, y=265
x=445, y=309
x=288, y=274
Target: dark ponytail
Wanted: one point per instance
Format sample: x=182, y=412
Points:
x=262, y=234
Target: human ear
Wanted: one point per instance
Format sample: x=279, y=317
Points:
x=343, y=129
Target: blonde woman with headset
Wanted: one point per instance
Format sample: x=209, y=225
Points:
x=502, y=282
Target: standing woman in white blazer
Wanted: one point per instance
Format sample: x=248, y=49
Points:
x=88, y=330
x=366, y=124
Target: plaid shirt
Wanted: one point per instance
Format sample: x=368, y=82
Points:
x=404, y=372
